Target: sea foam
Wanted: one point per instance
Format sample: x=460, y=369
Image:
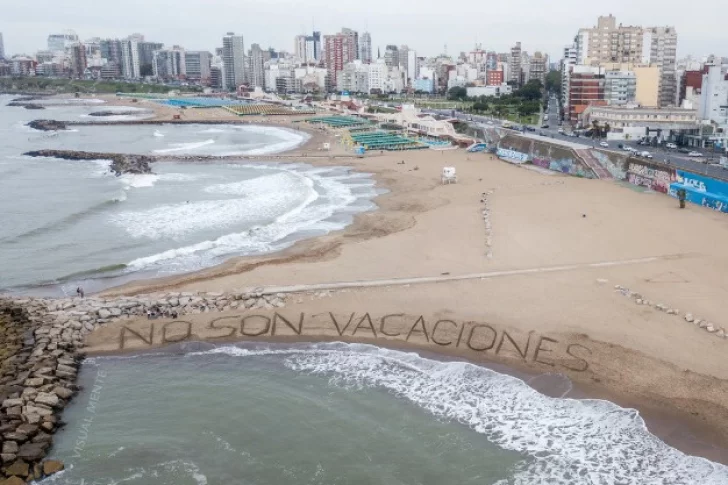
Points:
x=565, y=441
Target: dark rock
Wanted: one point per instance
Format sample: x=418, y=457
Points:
x=113, y=113
x=47, y=125
x=33, y=451
x=13, y=481
x=120, y=163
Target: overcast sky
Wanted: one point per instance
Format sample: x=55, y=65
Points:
x=425, y=25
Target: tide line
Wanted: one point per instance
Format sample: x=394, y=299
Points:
x=448, y=278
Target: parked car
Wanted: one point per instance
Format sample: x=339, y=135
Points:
x=604, y=144
x=545, y=125
x=646, y=154
x=561, y=130
x=627, y=148
x=684, y=150
x=695, y=154
x=671, y=146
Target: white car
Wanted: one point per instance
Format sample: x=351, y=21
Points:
x=604, y=144
x=646, y=154
x=628, y=149
x=561, y=130
x=671, y=146
x=695, y=154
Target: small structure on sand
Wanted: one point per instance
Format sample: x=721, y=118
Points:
x=449, y=176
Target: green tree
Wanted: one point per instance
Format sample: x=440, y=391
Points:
x=531, y=91
x=553, y=81
x=457, y=93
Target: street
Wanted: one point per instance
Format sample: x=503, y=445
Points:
x=659, y=154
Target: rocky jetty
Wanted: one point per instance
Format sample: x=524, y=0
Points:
x=113, y=113
x=120, y=163
x=41, y=349
x=47, y=125
x=25, y=105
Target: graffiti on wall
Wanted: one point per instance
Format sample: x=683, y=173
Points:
x=657, y=179
x=702, y=190
x=512, y=155
x=615, y=170
x=564, y=165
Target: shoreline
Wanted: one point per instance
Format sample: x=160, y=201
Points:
x=685, y=433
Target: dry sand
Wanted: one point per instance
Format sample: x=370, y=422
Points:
x=637, y=354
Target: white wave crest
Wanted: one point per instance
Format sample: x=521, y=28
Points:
x=181, y=147
x=567, y=441
x=139, y=180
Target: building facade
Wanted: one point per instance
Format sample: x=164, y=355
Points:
x=586, y=87
x=233, y=60
x=197, y=66
x=256, y=75
x=620, y=88
x=365, y=48
x=514, y=62
x=714, y=95
x=2, y=47
x=130, y=66
x=538, y=67
x=338, y=51
x=78, y=59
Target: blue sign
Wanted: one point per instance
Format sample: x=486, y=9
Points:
x=702, y=190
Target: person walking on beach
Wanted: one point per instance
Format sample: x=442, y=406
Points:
x=79, y=292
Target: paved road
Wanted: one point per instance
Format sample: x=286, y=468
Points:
x=672, y=157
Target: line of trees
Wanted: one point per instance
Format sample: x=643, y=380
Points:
x=525, y=100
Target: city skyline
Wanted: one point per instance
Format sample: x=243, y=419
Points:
x=24, y=33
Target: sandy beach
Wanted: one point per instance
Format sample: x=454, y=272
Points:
x=532, y=285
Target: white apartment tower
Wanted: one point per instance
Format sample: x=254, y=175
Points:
x=256, y=76
x=130, y=59
x=233, y=60
x=365, y=48
x=2, y=47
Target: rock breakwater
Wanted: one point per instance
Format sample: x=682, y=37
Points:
x=120, y=163
x=47, y=125
x=41, y=349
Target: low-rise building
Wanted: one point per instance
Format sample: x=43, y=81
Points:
x=634, y=123
x=489, y=91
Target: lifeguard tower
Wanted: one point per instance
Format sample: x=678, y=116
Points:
x=449, y=176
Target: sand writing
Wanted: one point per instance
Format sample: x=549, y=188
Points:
x=446, y=333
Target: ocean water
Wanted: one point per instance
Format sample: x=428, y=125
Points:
x=339, y=413
x=69, y=223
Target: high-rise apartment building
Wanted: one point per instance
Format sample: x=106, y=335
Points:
x=338, y=51
x=413, y=67
x=307, y=48
x=714, y=95
x=538, y=67
x=620, y=87
x=169, y=64
x=391, y=56
x=197, y=66
x=130, y=66
x=78, y=59
x=353, y=42
x=146, y=54
x=233, y=60
x=403, y=54
x=514, y=62
x=59, y=42
x=609, y=42
x=110, y=49
x=365, y=48
x=256, y=75
x=2, y=47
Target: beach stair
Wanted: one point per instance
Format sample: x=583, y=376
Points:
x=477, y=147
x=591, y=162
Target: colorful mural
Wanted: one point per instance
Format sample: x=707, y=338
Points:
x=565, y=165
x=657, y=179
x=702, y=190
x=512, y=155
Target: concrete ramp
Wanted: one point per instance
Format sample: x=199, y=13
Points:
x=591, y=162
